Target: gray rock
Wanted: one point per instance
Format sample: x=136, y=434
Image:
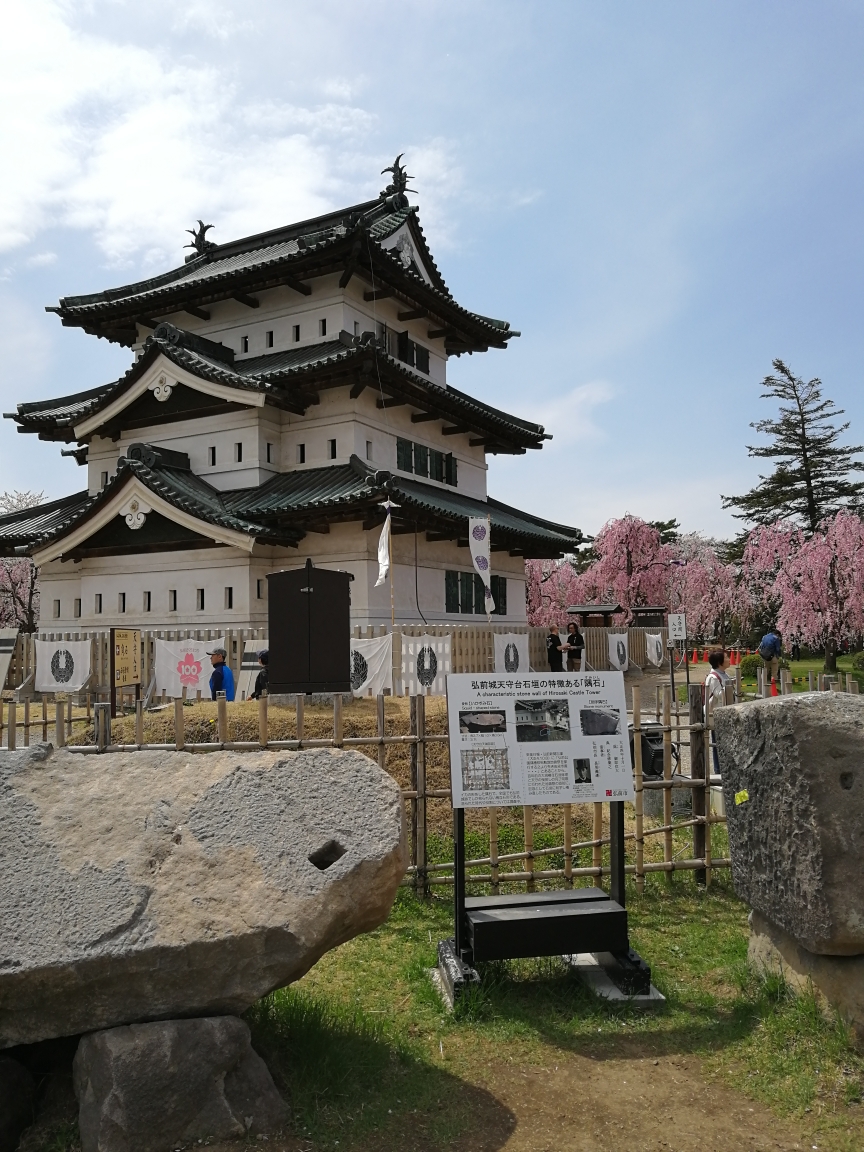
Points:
x=150, y=1087
x=151, y=885
x=17, y=1100
x=797, y=841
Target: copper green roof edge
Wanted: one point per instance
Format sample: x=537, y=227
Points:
x=40, y=414
x=19, y=529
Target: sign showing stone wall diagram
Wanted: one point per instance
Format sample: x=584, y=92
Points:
x=538, y=739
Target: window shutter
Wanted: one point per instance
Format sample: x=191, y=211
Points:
x=450, y=469
x=421, y=460
x=436, y=465
x=499, y=594
x=479, y=595
x=466, y=591
x=405, y=348
x=404, y=455
x=451, y=591
x=421, y=358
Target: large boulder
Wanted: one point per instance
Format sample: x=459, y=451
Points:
x=151, y=1087
x=793, y=782
x=153, y=885
x=17, y=1101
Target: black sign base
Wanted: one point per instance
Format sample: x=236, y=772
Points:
x=456, y=977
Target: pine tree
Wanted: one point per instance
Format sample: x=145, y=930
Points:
x=811, y=479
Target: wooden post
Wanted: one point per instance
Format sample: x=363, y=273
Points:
x=12, y=736
x=422, y=855
x=69, y=720
x=382, y=747
x=222, y=717
x=698, y=772
x=597, y=836
x=568, y=845
x=102, y=724
x=337, y=719
x=737, y=681
x=300, y=703
x=667, y=776
x=848, y=681
x=709, y=726
x=26, y=723
x=493, y=846
x=810, y=685
x=44, y=720
x=263, y=722
x=639, y=797
x=139, y=721
x=415, y=841
x=179, y=726
x=528, y=824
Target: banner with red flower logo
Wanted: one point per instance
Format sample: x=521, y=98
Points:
x=185, y=664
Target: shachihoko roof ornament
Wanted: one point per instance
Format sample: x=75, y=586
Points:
x=395, y=191
x=199, y=238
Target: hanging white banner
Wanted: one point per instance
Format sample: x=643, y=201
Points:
x=185, y=664
x=249, y=669
x=8, y=640
x=384, y=551
x=478, y=543
x=62, y=665
x=619, y=651
x=372, y=665
x=511, y=652
x=654, y=648
x=425, y=664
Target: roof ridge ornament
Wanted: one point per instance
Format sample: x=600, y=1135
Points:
x=199, y=238
x=395, y=191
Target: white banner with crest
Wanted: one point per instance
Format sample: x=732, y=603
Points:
x=372, y=665
x=62, y=665
x=654, y=648
x=511, y=652
x=619, y=651
x=185, y=664
x=425, y=664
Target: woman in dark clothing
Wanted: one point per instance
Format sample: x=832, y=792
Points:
x=263, y=677
x=575, y=646
x=554, y=650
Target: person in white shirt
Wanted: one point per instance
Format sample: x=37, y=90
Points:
x=715, y=689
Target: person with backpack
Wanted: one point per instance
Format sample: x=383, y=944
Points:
x=222, y=679
x=770, y=649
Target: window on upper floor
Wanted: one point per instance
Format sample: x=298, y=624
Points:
x=295, y=333
x=211, y=457
x=76, y=607
x=268, y=339
x=356, y=327
x=368, y=449
x=56, y=609
x=269, y=453
x=121, y=602
x=301, y=453
x=97, y=603
x=406, y=350
x=423, y=461
x=260, y=587
x=238, y=453
x=148, y=601
x=244, y=343
x=103, y=480
x=172, y=599
x=464, y=593
x=229, y=599
x=199, y=599
x=331, y=449
x=322, y=327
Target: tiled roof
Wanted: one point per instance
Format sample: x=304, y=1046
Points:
x=276, y=511
x=278, y=375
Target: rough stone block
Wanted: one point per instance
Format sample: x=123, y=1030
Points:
x=153, y=885
x=152, y=1087
x=797, y=837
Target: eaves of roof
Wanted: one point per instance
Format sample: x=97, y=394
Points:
x=18, y=530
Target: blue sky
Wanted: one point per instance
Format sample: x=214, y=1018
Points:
x=662, y=197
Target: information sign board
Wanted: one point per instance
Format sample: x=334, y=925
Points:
x=126, y=656
x=677, y=626
x=538, y=739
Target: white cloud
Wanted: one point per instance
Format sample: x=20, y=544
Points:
x=569, y=417
x=41, y=259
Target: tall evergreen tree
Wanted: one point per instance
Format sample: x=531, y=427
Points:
x=811, y=478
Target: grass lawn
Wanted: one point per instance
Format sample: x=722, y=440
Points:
x=372, y=1061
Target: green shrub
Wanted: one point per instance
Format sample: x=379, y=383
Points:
x=750, y=663
x=858, y=661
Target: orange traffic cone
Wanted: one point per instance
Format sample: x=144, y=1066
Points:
x=774, y=691
x=705, y=656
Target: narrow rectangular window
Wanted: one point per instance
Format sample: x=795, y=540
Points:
x=244, y=343
x=56, y=609
x=405, y=348
x=76, y=607
x=269, y=339
x=104, y=480
x=356, y=327
x=436, y=465
x=404, y=455
x=499, y=594
x=269, y=453
x=229, y=598
x=451, y=591
x=322, y=327
x=466, y=591
x=450, y=469
x=97, y=603
x=368, y=449
x=295, y=333
x=199, y=598
x=331, y=449
x=211, y=457
x=121, y=602
x=479, y=595
x=238, y=453
x=301, y=453
x=148, y=601
x=421, y=460
x=259, y=588
x=421, y=359
x=172, y=599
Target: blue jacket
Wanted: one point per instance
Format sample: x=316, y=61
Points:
x=222, y=680
x=771, y=645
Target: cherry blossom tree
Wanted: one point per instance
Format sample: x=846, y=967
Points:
x=632, y=566
x=551, y=585
x=19, y=588
x=702, y=586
